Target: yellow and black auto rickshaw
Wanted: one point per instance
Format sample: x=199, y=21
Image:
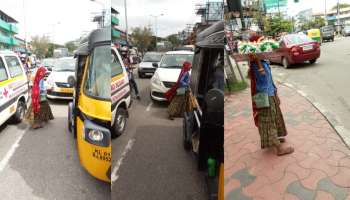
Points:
x=89, y=115
x=203, y=129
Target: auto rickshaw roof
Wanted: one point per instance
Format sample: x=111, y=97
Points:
x=212, y=37
x=96, y=37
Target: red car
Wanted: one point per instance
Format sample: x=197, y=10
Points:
x=295, y=48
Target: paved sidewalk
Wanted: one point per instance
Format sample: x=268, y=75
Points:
x=318, y=169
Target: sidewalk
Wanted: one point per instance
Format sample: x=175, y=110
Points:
x=318, y=169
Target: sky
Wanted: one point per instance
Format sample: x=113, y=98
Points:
x=62, y=20
x=316, y=5
x=176, y=14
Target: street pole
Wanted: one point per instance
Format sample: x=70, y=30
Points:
x=25, y=28
x=156, y=27
x=338, y=20
x=241, y=15
x=325, y=12
x=126, y=22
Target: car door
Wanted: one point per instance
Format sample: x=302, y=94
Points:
x=280, y=51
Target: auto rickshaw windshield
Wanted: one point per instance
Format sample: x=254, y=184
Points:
x=98, y=77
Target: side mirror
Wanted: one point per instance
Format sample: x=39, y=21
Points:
x=71, y=81
x=155, y=64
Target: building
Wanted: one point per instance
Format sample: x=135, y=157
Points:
x=344, y=16
x=8, y=30
x=210, y=12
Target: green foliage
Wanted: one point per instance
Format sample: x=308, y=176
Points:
x=276, y=24
x=174, y=40
x=235, y=87
x=41, y=45
x=142, y=38
x=341, y=5
x=71, y=46
x=317, y=22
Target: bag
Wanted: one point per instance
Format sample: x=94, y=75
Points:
x=42, y=97
x=261, y=100
x=180, y=91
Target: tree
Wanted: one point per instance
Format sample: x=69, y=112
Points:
x=276, y=24
x=142, y=38
x=41, y=45
x=317, y=22
x=71, y=46
x=174, y=40
x=341, y=5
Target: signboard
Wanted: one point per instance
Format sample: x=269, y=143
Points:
x=273, y=4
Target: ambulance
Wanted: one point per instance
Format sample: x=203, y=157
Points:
x=13, y=88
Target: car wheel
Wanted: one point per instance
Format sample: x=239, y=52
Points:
x=119, y=122
x=312, y=61
x=285, y=62
x=20, y=112
x=140, y=75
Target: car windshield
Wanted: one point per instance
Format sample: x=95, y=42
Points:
x=296, y=39
x=98, y=78
x=152, y=57
x=175, y=60
x=327, y=28
x=64, y=65
x=48, y=62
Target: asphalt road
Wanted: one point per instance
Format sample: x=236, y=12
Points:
x=43, y=163
x=149, y=161
x=325, y=83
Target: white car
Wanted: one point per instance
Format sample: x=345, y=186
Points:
x=58, y=84
x=146, y=66
x=168, y=72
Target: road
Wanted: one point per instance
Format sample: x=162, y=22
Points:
x=325, y=83
x=43, y=163
x=149, y=161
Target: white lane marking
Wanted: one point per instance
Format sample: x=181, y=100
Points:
x=11, y=151
x=114, y=175
x=149, y=106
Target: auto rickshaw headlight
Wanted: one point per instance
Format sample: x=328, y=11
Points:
x=95, y=135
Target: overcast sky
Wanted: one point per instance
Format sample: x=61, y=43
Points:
x=316, y=5
x=73, y=16
x=177, y=13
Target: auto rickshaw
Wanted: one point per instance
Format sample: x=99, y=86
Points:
x=203, y=129
x=89, y=114
x=314, y=34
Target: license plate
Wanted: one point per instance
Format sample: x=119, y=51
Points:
x=149, y=74
x=307, y=47
x=66, y=90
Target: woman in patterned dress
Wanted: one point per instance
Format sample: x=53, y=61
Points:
x=179, y=94
x=269, y=120
x=39, y=111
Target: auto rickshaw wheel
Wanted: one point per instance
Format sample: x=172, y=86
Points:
x=119, y=122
